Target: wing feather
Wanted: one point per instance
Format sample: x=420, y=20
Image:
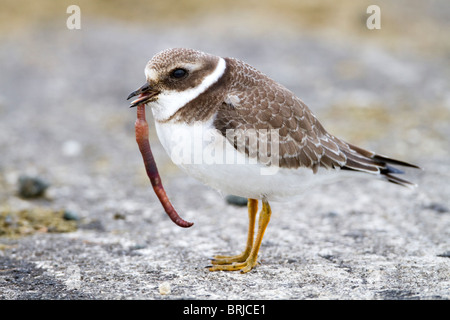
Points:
x=256, y=102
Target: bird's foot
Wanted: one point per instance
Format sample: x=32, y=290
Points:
x=247, y=260
x=233, y=263
x=219, y=259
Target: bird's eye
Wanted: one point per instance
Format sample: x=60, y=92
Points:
x=178, y=73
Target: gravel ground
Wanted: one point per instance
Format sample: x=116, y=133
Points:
x=64, y=119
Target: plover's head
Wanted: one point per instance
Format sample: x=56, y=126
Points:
x=176, y=76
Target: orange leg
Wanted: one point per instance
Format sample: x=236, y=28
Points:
x=252, y=205
x=247, y=259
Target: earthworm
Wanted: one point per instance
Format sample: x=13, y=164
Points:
x=141, y=129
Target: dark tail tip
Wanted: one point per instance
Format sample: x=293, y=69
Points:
x=362, y=160
x=388, y=172
x=394, y=162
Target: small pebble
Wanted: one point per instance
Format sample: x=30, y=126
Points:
x=32, y=187
x=445, y=254
x=164, y=288
x=8, y=221
x=71, y=148
x=119, y=216
x=70, y=215
x=438, y=207
x=73, y=281
x=235, y=200
x=93, y=225
x=332, y=214
x=138, y=247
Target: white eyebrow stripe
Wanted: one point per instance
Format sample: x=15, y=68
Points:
x=150, y=74
x=169, y=102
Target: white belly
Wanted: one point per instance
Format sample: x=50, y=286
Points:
x=204, y=153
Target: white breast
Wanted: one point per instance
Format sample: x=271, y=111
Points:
x=204, y=153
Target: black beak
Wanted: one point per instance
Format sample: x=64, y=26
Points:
x=142, y=89
x=146, y=94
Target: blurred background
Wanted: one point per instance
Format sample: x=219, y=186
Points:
x=64, y=117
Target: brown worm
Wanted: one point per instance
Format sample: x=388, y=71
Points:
x=141, y=129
